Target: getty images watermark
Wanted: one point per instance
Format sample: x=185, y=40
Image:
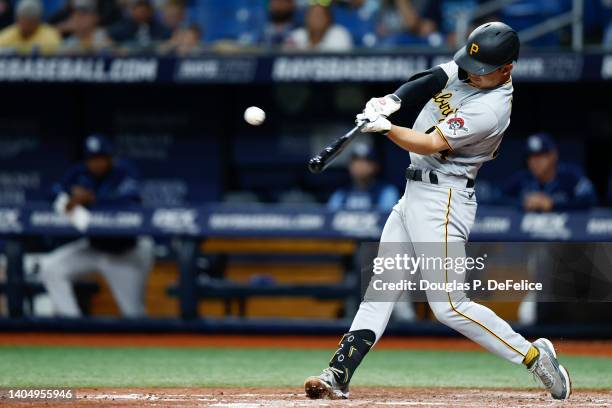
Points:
x=495, y=271
x=412, y=264
x=404, y=265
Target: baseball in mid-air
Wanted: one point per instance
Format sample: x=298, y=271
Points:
x=254, y=116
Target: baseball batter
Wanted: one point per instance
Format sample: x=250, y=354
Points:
x=467, y=106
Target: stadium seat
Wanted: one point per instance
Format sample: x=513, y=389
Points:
x=524, y=14
x=361, y=24
x=51, y=5
x=238, y=20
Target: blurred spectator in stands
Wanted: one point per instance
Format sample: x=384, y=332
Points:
x=29, y=34
x=547, y=185
x=87, y=36
x=108, y=12
x=6, y=13
x=366, y=191
x=320, y=33
x=139, y=29
x=404, y=22
x=184, y=42
x=281, y=23
x=101, y=182
x=174, y=15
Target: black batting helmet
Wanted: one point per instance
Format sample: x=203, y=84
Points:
x=488, y=47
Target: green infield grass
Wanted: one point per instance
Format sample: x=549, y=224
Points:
x=78, y=367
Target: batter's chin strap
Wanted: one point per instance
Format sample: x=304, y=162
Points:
x=352, y=349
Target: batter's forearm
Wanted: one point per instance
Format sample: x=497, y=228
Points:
x=416, y=142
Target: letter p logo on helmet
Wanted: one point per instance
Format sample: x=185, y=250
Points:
x=474, y=48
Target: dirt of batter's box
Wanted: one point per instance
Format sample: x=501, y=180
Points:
x=294, y=397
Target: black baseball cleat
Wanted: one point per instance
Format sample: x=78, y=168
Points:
x=553, y=375
x=325, y=386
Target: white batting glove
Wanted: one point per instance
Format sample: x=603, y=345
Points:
x=384, y=106
x=373, y=123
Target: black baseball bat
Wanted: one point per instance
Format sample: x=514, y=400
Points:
x=320, y=162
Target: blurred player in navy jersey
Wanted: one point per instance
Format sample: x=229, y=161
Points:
x=101, y=182
x=548, y=185
x=366, y=191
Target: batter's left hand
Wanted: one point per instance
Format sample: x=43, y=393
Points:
x=373, y=123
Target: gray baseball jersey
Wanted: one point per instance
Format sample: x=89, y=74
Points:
x=472, y=122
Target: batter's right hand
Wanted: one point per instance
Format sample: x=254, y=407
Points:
x=373, y=123
x=384, y=106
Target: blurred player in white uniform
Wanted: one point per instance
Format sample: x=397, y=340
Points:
x=102, y=182
x=467, y=105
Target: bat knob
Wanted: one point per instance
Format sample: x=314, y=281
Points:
x=315, y=165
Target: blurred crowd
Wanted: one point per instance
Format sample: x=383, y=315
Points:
x=186, y=27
